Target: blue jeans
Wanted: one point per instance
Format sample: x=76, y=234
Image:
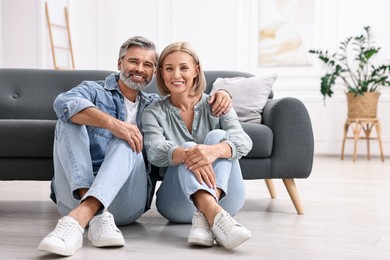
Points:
x=179, y=184
x=120, y=184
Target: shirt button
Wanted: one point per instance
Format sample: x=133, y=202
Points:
x=65, y=110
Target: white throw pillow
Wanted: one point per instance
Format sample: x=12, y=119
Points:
x=249, y=95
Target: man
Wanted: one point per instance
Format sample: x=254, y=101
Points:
x=100, y=170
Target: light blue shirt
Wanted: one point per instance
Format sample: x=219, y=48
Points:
x=106, y=96
x=164, y=130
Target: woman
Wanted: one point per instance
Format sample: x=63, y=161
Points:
x=203, y=180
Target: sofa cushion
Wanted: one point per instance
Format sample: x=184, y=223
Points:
x=29, y=93
x=26, y=138
x=262, y=138
x=249, y=94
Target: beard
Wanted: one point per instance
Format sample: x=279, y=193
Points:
x=131, y=84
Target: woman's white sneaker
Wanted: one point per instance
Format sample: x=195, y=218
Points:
x=228, y=232
x=200, y=233
x=65, y=239
x=103, y=232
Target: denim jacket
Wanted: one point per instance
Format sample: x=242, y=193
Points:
x=107, y=97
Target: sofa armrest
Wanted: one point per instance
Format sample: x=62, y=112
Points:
x=293, y=144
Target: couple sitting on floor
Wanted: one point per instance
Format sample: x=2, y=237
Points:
x=109, y=133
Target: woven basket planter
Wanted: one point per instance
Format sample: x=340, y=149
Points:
x=363, y=106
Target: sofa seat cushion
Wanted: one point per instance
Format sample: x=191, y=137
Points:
x=262, y=138
x=26, y=138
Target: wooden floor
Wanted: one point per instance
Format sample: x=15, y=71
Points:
x=347, y=216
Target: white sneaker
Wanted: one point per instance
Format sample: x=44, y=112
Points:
x=65, y=239
x=200, y=233
x=228, y=232
x=103, y=232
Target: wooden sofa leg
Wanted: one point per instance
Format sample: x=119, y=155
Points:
x=271, y=188
x=293, y=192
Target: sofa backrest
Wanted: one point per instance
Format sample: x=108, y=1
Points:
x=30, y=93
x=211, y=76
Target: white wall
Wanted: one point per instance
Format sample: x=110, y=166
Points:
x=164, y=22
x=24, y=40
x=223, y=31
x=19, y=42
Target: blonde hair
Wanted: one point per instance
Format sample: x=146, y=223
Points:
x=199, y=81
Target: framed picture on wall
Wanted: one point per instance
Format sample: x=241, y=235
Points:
x=286, y=31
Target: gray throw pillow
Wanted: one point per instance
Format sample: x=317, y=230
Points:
x=249, y=95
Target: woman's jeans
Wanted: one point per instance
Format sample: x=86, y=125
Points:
x=120, y=184
x=179, y=184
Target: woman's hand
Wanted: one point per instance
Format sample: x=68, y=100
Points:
x=221, y=101
x=200, y=155
x=206, y=174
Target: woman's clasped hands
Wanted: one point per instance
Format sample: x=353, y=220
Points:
x=199, y=159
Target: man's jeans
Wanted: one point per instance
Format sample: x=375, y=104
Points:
x=120, y=184
x=179, y=184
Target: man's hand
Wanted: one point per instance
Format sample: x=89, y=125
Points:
x=129, y=133
x=221, y=102
x=123, y=130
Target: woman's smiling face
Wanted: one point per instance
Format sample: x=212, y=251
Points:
x=179, y=70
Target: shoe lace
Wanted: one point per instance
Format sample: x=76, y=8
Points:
x=107, y=223
x=201, y=222
x=63, y=229
x=226, y=223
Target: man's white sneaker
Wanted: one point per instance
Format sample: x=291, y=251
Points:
x=228, y=232
x=200, y=233
x=65, y=239
x=103, y=232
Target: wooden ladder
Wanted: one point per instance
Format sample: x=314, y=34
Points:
x=54, y=47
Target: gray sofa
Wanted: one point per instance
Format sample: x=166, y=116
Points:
x=282, y=144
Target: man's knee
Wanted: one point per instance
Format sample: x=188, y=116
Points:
x=119, y=148
x=119, y=144
x=71, y=129
x=130, y=217
x=175, y=213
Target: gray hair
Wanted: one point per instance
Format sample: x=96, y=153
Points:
x=137, y=41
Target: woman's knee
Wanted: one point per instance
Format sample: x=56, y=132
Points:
x=215, y=136
x=188, y=144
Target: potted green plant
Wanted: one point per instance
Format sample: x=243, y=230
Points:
x=353, y=67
